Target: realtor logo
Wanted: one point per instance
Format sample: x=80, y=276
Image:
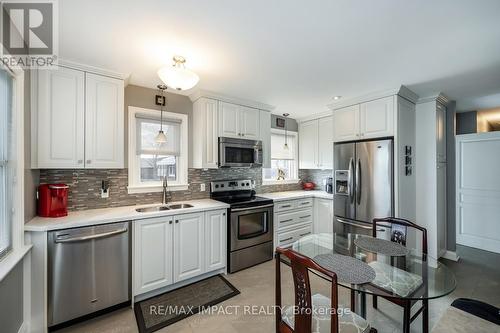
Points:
x=29, y=33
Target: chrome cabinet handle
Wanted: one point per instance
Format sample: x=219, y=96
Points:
x=303, y=217
x=89, y=161
x=80, y=161
x=286, y=206
x=286, y=239
x=307, y=233
x=286, y=220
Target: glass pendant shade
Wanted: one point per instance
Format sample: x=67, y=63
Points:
x=161, y=137
x=178, y=76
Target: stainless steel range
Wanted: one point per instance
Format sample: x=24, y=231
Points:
x=249, y=224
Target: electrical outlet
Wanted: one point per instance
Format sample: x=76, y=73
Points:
x=202, y=187
x=104, y=193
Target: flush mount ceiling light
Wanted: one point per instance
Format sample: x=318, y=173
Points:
x=178, y=76
x=336, y=98
x=285, y=146
x=161, y=138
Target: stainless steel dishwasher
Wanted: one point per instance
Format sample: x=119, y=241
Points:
x=88, y=270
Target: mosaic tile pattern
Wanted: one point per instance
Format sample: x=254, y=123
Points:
x=85, y=186
x=316, y=176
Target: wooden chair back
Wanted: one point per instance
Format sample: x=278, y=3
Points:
x=401, y=222
x=303, y=300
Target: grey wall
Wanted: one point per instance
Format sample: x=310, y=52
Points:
x=450, y=177
x=466, y=122
x=11, y=300
x=291, y=124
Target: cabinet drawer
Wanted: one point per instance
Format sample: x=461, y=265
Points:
x=285, y=205
x=308, y=202
x=304, y=216
x=287, y=238
x=288, y=219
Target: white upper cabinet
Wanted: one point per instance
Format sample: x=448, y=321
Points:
x=265, y=136
x=325, y=143
x=308, y=143
x=205, y=137
x=316, y=144
x=189, y=246
x=229, y=120
x=59, y=137
x=346, y=123
x=77, y=120
x=249, y=123
x=373, y=119
x=104, y=123
x=377, y=118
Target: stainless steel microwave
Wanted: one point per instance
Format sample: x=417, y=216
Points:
x=239, y=153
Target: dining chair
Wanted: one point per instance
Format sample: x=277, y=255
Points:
x=312, y=313
x=405, y=304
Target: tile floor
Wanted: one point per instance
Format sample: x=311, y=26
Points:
x=477, y=272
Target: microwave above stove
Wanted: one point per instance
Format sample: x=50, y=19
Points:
x=239, y=153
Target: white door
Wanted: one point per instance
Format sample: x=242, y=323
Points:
x=265, y=136
x=325, y=143
x=61, y=119
x=104, y=122
x=229, y=120
x=346, y=123
x=323, y=216
x=308, y=145
x=377, y=118
x=152, y=254
x=189, y=246
x=249, y=123
x=478, y=190
x=215, y=239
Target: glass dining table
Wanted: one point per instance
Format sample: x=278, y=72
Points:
x=408, y=276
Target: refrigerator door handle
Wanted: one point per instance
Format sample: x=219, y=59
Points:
x=358, y=182
x=350, y=191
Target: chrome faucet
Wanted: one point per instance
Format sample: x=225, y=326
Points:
x=165, y=185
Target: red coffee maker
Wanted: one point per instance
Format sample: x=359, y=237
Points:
x=52, y=200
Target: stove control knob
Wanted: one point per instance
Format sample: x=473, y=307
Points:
x=222, y=185
x=242, y=184
x=248, y=184
x=216, y=186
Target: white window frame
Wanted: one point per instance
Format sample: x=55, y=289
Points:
x=134, y=182
x=19, y=249
x=294, y=180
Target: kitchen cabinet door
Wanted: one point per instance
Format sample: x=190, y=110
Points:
x=377, y=118
x=215, y=239
x=60, y=118
x=323, y=216
x=152, y=254
x=325, y=143
x=104, y=122
x=308, y=145
x=249, y=123
x=346, y=123
x=205, y=141
x=229, y=120
x=265, y=137
x=189, y=246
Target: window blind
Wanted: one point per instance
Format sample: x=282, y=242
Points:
x=147, y=130
x=277, y=147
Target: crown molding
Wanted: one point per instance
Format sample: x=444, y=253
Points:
x=402, y=91
x=93, y=70
x=439, y=97
x=315, y=116
x=233, y=100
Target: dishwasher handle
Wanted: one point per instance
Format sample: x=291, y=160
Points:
x=90, y=237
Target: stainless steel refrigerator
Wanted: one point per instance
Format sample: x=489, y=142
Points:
x=363, y=187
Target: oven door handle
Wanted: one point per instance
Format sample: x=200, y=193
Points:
x=250, y=208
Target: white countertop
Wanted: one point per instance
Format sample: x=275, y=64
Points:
x=116, y=214
x=290, y=195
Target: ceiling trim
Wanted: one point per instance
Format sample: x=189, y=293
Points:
x=228, y=99
x=93, y=70
x=439, y=97
x=402, y=91
x=315, y=116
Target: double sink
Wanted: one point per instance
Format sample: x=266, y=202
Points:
x=162, y=208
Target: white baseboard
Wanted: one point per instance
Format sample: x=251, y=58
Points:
x=451, y=255
x=24, y=328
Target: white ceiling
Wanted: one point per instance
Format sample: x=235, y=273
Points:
x=296, y=55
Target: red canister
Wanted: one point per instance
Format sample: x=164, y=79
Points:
x=52, y=200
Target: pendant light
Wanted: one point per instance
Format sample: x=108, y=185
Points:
x=161, y=138
x=285, y=146
x=178, y=76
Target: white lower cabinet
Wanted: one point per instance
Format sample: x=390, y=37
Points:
x=293, y=219
x=171, y=249
x=323, y=216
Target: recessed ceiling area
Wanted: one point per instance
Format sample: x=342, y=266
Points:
x=296, y=55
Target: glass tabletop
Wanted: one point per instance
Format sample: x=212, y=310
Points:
x=409, y=276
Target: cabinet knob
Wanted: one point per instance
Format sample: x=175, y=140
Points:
x=176, y=221
x=89, y=161
x=80, y=161
x=170, y=222
x=223, y=214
